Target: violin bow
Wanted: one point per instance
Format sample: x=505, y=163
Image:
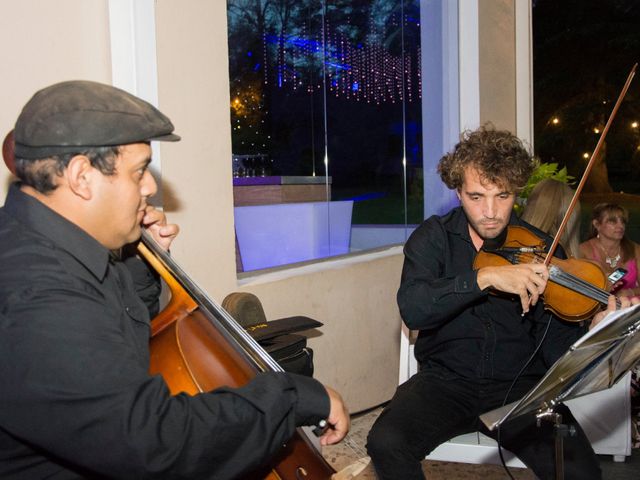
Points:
x=594, y=155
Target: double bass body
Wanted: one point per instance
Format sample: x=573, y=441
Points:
x=197, y=347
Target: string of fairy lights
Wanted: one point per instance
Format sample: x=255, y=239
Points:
x=634, y=125
x=362, y=71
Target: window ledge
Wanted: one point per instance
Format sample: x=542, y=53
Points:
x=269, y=275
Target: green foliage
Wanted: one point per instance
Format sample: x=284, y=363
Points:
x=543, y=171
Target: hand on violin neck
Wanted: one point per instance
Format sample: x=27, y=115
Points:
x=528, y=281
x=613, y=303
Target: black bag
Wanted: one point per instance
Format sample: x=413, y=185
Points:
x=277, y=337
x=291, y=353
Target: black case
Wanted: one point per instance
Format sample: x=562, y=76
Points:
x=291, y=353
x=277, y=337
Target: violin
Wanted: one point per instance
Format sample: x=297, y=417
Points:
x=575, y=289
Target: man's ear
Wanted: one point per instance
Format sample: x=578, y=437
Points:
x=79, y=175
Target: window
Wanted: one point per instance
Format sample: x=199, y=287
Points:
x=582, y=57
x=326, y=126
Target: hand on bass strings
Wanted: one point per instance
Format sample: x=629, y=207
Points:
x=155, y=221
x=613, y=303
x=338, y=420
x=527, y=280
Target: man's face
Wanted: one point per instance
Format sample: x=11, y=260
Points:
x=487, y=206
x=122, y=198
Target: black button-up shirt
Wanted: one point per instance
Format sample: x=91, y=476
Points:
x=474, y=333
x=76, y=398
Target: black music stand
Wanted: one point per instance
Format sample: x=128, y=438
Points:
x=594, y=363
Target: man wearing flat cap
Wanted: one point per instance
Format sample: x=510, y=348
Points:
x=77, y=399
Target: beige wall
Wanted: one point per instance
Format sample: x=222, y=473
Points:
x=497, y=63
x=48, y=42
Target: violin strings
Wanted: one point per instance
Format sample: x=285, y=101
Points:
x=581, y=286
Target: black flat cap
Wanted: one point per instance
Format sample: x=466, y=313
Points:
x=70, y=116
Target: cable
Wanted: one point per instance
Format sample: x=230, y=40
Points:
x=504, y=402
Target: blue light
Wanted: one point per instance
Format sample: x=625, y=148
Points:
x=367, y=196
x=355, y=86
x=339, y=66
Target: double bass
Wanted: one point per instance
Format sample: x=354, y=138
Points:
x=196, y=346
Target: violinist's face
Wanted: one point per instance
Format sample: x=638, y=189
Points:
x=487, y=206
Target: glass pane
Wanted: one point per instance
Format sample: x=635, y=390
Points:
x=374, y=109
x=325, y=106
x=582, y=57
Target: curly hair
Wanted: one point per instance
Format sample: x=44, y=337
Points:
x=499, y=156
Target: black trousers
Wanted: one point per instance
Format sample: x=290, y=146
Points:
x=435, y=405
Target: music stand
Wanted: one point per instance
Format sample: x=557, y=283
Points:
x=593, y=363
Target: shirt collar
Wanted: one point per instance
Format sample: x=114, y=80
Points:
x=64, y=234
x=457, y=223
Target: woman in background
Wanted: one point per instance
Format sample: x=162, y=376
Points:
x=545, y=208
x=609, y=246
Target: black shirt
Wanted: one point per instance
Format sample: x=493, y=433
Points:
x=77, y=399
x=474, y=333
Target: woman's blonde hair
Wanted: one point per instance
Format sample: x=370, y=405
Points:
x=545, y=208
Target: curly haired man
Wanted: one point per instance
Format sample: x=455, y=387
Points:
x=476, y=350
